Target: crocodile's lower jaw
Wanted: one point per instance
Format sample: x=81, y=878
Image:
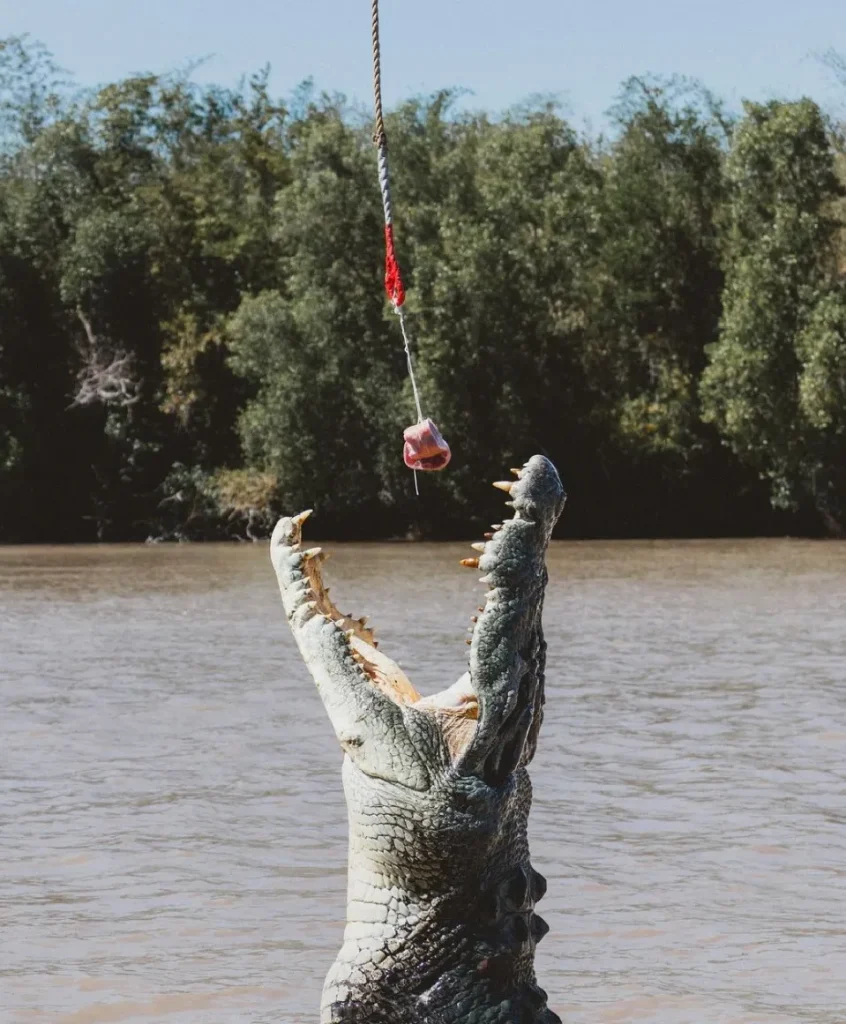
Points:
x=441, y=922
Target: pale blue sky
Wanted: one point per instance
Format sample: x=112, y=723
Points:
x=504, y=51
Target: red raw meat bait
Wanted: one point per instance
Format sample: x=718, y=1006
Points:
x=424, y=447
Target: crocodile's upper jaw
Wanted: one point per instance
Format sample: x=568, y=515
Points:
x=441, y=891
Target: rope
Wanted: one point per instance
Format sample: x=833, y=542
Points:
x=393, y=277
x=379, y=136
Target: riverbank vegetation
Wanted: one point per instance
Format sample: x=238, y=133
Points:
x=194, y=335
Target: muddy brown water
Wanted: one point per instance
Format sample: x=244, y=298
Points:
x=172, y=831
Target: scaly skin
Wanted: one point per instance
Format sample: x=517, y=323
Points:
x=441, y=925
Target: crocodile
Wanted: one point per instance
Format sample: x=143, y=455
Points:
x=441, y=923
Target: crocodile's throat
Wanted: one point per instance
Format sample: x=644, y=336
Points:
x=441, y=925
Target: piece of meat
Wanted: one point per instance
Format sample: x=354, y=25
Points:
x=424, y=447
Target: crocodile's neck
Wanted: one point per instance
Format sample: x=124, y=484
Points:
x=450, y=926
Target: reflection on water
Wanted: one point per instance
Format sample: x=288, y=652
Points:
x=172, y=831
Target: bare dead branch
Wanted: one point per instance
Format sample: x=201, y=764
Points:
x=107, y=375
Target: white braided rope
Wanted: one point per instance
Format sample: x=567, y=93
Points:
x=385, y=183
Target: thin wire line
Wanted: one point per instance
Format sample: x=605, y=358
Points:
x=401, y=314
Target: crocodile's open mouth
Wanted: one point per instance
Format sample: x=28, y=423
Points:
x=506, y=642
x=384, y=673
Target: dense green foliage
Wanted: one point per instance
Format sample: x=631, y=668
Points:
x=194, y=335
x=776, y=379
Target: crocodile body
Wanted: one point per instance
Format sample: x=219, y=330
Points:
x=441, y=922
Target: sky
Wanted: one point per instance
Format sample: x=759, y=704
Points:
x=503, y=52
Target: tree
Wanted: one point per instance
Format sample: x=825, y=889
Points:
x=778, y=360
x=658, y=296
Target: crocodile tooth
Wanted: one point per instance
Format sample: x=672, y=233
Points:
x=301, y=518
x=504, y=485
x=478, y=546
x=488, y=536
x=496, y=526
x=517, y=472
x=474, y=618
x=470, y=563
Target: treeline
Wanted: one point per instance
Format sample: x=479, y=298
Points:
x=194, y=335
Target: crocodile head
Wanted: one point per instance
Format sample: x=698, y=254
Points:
x=441, y=924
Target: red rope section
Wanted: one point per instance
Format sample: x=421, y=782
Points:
x=393, y=277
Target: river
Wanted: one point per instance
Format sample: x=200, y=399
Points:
x=172, y=830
